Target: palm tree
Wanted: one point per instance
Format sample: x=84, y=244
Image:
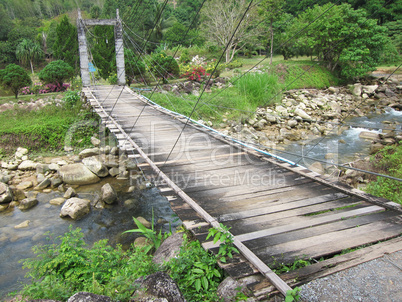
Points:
x=28, y=51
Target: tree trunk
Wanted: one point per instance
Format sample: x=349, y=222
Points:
x=272, y=40
x=31, y=66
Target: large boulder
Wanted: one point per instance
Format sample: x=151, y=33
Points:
x=89, y=152
x=88, y=297
x=302, y=114
x=77, y=174
x=158, y=285
x=27, y=165
x=108, y=194
x=6, y=195
x=28, y=203
x=168, y=249
x=96, y=166
x=20, y=152
x=76, y=208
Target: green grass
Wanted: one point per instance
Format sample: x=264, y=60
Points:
x=45, y=129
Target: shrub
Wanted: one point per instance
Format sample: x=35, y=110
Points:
x=67, y=266
x=197, y=74
x=164, y=66
x=56, y=73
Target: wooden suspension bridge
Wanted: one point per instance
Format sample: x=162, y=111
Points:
x=277, y=212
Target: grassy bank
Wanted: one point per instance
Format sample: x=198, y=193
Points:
x=249, y=91
x=46, y=129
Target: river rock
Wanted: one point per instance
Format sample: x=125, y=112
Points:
x=54, y=167
x=27, y=165
x=228, y=290
x=145, y=222
x=89, y=152
x=168, y=249
x=369, y=89
x=374, y=148
x=369, y=135
x=292, y=123
x=282, y=111
x=317, y=167
x=44, y=184
x=108, y=194
x=141, y=242
x=24, y=185
x=57, y=201
x=18, y=194
x=96, y=166
x=270, y=118
x=76, y=208
x=6, y=195
x=260, y=124
x=42, y=168
x=77, y=174
x=95, y=141
x=114, y=171
x=131, y=203
x=3, y=207
x=302, y=114
x=88, y=297
x=56, y=181
x=20, y=152
x=69, y=193
x=22, y=225
x=357, y=89
x=158, y=285
x=333, y=90
x=28, y=203
x=335, y=107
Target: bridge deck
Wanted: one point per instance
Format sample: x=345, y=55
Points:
x=279, y=212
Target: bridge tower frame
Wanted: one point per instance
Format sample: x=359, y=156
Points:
x=83, y=48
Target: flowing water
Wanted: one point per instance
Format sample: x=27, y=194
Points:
x=107, y=223
x=347, y=146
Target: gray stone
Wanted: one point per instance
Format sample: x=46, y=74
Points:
x=158, y=285
x=168, y=249
x=131, y=203
x=18, y=194
x=369, y=89
x=95, y=141
x=55, y=181
x=22, y=225
x=302, y=114
x=333, y=90
x=40, y=177
x=69, y=193
x=114, y=171
x=270, y=118
x=44, y=184
x=89, y=152
x=20, y=152
x=57, y=201
x=260, y=124
x=96, y=166
x=335, y=107
x=108, y=194
x=54, y=167
x=28, y=203
x=374, y=148
x=317, y=167
x=292, y=123
x=369, y=135
x=357, y=89
x=24, y=185
x=5, y=178
x=27, y=165
x=77, y=174
x=282, y=111
x=75, y=208
x=114, y=151
x=229, y=288
x=42, y=168
x=6, y=195
x=88, y=297
x=145, y=222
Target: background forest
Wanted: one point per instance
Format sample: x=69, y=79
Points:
x=353, y=38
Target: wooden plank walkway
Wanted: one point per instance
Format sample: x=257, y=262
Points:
x=278, y=212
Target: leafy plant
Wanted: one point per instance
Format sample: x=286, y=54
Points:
x=226, y=248
x=155, y=238
x=293, y=295
x=71, y=98
x=284, y=268
x=196, y=272
x=56, y=73
x=388, y=161
x=69, y=266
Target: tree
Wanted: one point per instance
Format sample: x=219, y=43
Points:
x=66, y=45
x=343, y=38
x=28, y=51
x=56, y=72
x=272, y=10
x=133, y=65
x=14, y=77
x=103, y=51
x=220, y=20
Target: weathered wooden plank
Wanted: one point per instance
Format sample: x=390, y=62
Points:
x=309, y=222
